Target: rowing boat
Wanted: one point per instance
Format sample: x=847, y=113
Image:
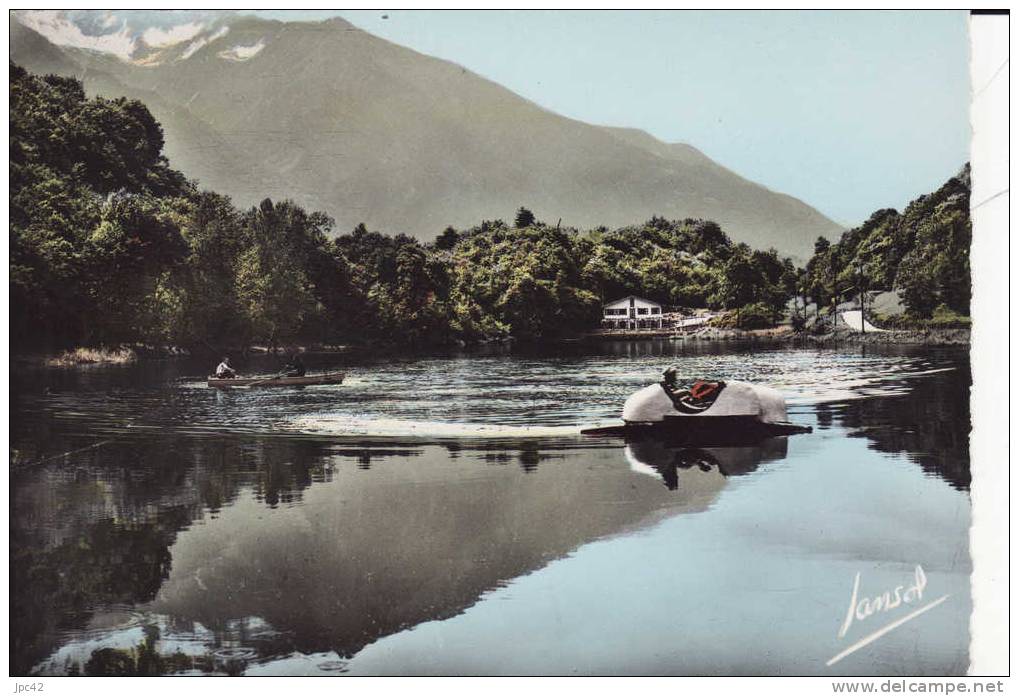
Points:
x=306, y=381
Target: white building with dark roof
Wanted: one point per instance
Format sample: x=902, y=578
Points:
x=632, y=312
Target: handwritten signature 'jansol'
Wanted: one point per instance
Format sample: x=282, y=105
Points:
x=861, y=609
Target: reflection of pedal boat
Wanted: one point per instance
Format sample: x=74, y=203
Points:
x=706, y=413
x=675, y=464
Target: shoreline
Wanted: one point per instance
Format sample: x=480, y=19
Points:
x=126, y=355
x=779, y=335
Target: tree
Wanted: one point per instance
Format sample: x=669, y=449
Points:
x=272, y=286
x=447, y=240
x=739, y=278
x=708, y=237
x=92, y=213
x=126, y=257
x=208, y=312
x=524, y=218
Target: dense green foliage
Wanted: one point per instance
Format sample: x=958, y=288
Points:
x=94, y=210
x=110, y=245
x=923, y=253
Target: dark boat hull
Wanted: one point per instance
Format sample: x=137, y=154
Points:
x=702, y=430
x=306, y=381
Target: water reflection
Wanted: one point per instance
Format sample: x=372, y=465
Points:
x=98, y=532
x=367, y=556
x=215, y=553
x=930, y=424
x=325, y=555
x=679, y=466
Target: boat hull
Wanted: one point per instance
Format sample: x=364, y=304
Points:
x=702, y=430
x=306, y=381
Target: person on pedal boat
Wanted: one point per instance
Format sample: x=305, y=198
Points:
x=669, y=379
x=701, y=393
x=224, y=371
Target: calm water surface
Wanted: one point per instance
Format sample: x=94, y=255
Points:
x=442, y=514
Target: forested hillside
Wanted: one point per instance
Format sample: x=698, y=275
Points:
x=923, y=253
x=110, y=245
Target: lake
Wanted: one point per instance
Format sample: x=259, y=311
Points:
x=441, y=514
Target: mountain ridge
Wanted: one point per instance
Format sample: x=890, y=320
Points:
x=379, y=133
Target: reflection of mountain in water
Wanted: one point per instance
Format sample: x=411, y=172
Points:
x=367, y=556
x=370, y=555
x=302, y=536
x=931, y=423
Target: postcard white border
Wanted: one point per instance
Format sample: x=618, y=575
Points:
x=990, y=354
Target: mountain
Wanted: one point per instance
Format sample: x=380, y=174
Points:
x=369, y=131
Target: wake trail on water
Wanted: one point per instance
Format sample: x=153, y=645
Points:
x=811, y=390
x=340, y=424
x=804, y=390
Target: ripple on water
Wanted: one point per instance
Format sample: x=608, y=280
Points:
x=333, y=666
x=234, y=654
x=116, y=619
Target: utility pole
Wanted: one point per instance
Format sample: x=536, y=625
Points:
x=863, y=296
x=834, y=275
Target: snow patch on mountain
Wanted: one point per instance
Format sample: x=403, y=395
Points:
x=55, y=26
x=161, y=38
x=127, y=34
x=201, y=41
x=242, y=53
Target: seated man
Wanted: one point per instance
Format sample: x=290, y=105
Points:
x=696, y=398
x=669, y=379
x=295, y=368
x=224, y=371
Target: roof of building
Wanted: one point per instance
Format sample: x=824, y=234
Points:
x=636, y=297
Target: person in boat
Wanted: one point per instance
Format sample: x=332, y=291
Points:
x=224, y=371
x=295, y=367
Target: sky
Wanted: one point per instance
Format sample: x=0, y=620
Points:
x=848, y=111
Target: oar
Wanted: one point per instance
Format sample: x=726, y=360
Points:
x=262, y=381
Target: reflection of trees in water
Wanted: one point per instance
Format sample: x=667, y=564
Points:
x=529, y=458
x=529, y=453
x=148, y=658
x=665, y=348
x=97, y=532
x=364, y=455
x=108, y=562
x=825, y=416
x=931, y=423
x=143, y=660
